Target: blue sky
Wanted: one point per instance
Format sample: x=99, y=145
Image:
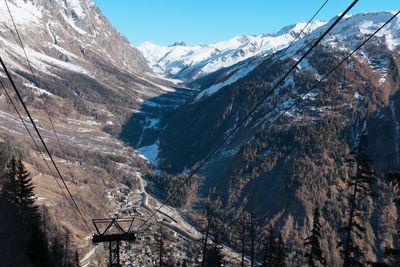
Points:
x=207, y=21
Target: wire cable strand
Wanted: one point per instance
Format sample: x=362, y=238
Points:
x=37, y=85
x=43, y=142
x=254, y=109
x=33, y=74
x=318, y=83
x=301, y=97
x=33, y=139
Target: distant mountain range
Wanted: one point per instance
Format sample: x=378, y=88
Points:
x=191, y=62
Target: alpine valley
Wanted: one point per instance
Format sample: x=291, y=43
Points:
x=133, y=122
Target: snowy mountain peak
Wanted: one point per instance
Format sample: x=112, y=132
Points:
x=68, y=31
x=191, y=62
x=242, y=38
x=178, y=44
x=352, y=29
x=301, y=26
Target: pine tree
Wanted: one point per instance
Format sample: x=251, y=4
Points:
x=360, y=183
x=38, y=252
x=269, y=249
x=275, y=251
x=243, y=237
x=17, y=190
x=314, y=253
x=25, y=194
x=77, y=263
x=393, y=254
x=9, y=184
x=203, y=262
x=68, y=258
x=57, y=252
x=214, y=257
x=280, y=259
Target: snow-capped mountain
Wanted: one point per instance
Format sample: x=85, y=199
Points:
x=345, y=37
x=70, y=31
x=190, y=62
x=77, y=55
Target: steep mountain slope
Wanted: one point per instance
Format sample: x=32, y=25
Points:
x=345, y=37
x=84, y=68
x=190, y=62
x=205, y=68
x=72, y=31
x=77, y=56
x=91, y=80
x=289, y=168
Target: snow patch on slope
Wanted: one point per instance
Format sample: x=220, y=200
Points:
x=76, y=6
x=239, y=73
x=38, y=60
x=72, y=24
x=150, y=153
x=24, y=12
x=38, y=90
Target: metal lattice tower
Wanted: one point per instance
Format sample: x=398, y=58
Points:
x=113, y=234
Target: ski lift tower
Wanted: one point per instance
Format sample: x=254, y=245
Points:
x=113, y=234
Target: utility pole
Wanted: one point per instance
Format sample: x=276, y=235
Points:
x=114, y=239
x=205, y=243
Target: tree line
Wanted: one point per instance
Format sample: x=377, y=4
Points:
x=351, y=234
x=25, y=228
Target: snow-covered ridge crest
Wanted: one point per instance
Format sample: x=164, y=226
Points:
x=353, y=30
x=346, y=36
x=190, y=62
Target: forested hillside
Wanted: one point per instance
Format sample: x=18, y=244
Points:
x=31, y=238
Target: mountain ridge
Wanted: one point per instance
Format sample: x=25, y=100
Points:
x=190, y=62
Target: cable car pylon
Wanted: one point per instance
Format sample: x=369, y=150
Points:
x=113, y=234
